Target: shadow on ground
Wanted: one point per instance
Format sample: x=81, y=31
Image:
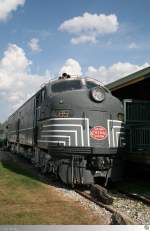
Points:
x=22, y=166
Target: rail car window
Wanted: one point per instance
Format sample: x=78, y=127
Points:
x=91, y=84
x=67, y=86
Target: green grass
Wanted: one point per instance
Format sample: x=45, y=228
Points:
x=26, y=200
x=14, y=176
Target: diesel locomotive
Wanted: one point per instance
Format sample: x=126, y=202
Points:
x=72, y=127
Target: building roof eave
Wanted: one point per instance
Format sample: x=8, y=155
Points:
x=129, y=80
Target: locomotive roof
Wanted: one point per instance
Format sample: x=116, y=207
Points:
x=56, y=81
x=73, y=77
x=77, y=78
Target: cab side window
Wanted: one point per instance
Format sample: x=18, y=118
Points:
x=40, y=98
x=43, y=95
x=41, y=104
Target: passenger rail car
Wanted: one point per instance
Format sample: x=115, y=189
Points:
x=72, y=127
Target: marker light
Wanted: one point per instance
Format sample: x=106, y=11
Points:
x=120, y=116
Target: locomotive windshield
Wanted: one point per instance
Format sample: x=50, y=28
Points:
x=67, y=86
x=91, y=84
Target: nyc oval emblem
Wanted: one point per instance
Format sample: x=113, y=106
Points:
x=99, y=133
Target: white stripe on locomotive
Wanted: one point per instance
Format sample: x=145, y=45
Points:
x=71, y=125
x=64, y=131
x=68, y=125
x=113, y=138
x=56, y=136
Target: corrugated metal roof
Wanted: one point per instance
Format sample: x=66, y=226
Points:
x=130, y=79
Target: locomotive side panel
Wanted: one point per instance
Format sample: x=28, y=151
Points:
x=26, y=117
x=12, y=128
x=20, y=124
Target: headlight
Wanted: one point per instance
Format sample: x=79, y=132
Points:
x=98, y=94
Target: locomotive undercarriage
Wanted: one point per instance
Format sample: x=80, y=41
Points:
x=73, y=169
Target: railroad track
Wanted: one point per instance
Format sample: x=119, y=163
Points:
x=136, y=196
x=117, y=217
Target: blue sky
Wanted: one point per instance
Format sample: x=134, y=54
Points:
x=39, y=39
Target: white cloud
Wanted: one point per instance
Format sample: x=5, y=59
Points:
x=17, y=83
x=34, y=45
x=114, y=72
x=7, y=6
x=102, y=73
x=71, y=67
x=87, y=27
x=133, y=45
x=83, y=39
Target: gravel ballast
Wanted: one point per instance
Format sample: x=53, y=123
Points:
x=94, y=209
x=136, y=210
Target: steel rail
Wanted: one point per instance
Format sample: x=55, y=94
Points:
x=117, y=217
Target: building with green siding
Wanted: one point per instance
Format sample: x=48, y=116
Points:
x=134, y=91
